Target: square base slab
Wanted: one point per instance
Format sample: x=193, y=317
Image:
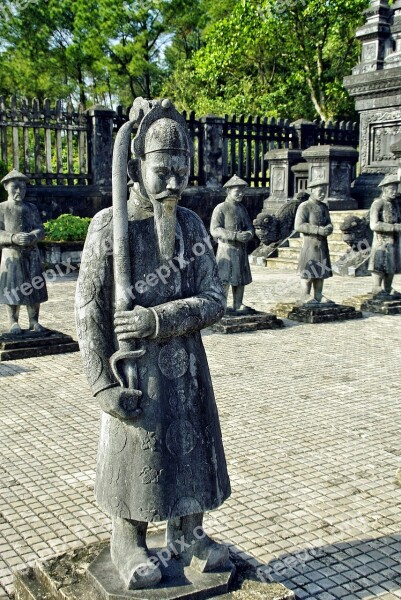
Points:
x=87, y=574
x=316, y=313
x=236, y=323
x=29, y=344
x=383, y=304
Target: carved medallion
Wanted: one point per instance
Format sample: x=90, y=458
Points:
x=173, y=360
x=181, y=437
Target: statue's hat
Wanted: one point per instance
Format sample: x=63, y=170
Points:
x=235, y=181
x=161, y=127
x=316, y=182
x=388, y=179
x=14, y=174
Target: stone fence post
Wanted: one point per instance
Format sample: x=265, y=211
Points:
x=305, y=132
x=100, y=144
x=212, y=151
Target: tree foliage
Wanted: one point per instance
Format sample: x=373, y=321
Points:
x=274, y=57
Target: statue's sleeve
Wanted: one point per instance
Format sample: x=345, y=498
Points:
x=37, y=226
x=376, y=222
x=302, y=224
x=205, y=307
x=217, y=226
x=94, y=305
x=5, y=236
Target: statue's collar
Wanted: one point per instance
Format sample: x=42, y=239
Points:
x=136, y=199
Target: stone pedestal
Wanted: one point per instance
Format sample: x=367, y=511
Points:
x=352, y=264
x=30, y=344
x=375, y=84
x=235, y=323
x=282, y=179
x=382, y=303
x=316, y=313
x=88, y=574
x=333, y=164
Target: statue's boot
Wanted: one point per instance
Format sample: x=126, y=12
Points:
x=130, y=555
x=15, y=329
x=13, y=316
x=201, y=552
x=33, y=314
x=325, y=300
x=245, y=310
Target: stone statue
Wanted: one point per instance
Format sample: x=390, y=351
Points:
x=358, y=236
x=140, y=310
x=232, y=228
x=21, y=272
x=385, y=222
x=313, y=222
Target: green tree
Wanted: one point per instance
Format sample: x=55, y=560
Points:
x=278, y=57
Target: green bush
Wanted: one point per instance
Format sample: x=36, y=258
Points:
x=67, y=228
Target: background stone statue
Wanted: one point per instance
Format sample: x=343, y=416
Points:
x=21, y=271
x=313, y=222
x=232, y=228
x=385, y=222
x=161, y=456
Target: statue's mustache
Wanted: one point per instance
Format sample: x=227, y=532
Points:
x=164, y=195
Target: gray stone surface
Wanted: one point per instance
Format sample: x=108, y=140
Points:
x=232, y=323
x=314, y=475
x=30, y=344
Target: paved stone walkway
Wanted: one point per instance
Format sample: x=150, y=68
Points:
x=311, y=421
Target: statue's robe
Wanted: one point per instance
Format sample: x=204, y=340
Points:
x=314, y=259
x=228, y=219
x=385, y=256
x=170, y=461
x=21, y=271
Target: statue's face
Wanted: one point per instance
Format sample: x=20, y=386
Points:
x=165, y=174
x=319, y=192
x=236, y=193
x=390, y=191
x=16, y=190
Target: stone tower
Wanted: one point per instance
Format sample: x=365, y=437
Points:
x=375, y=84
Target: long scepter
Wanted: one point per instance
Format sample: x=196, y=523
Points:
x=123, y=362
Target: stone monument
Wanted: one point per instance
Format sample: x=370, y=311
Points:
x=161, y=456
x=22, y=277
x=375, y=84
x=232, y=228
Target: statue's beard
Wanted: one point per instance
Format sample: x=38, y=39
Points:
x=165, y=220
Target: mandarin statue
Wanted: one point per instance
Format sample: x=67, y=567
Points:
x=313, y=222
x=148, y=285
x=385, y=222
x=232, y=228
x=21, y=271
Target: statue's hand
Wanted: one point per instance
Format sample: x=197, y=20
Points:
x=328, y=230
x=134, y=324
x=22, y=239
x=244, y=236
x=119, y=402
